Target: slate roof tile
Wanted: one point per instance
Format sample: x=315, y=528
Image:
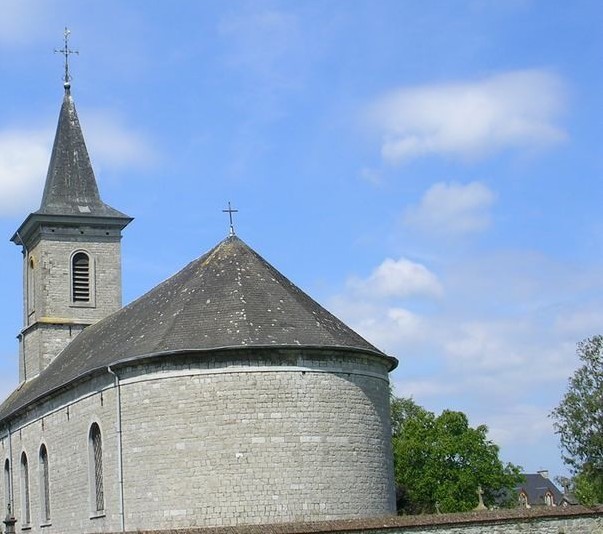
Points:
x=70, y=183
x=228, y=298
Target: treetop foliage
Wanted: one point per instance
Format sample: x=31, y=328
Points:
x=441, y=461
x=578, y=420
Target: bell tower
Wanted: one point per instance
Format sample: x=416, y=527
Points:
x=71, y=250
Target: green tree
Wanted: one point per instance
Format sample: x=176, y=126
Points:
x=440, y=461
x=578, y=421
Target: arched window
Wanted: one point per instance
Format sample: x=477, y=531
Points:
x=44, y=484
x=96, y=468
x=31, y=285
x=80, y=277
x=25, y=502
x=7, y=485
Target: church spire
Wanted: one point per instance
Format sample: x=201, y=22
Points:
x=71, y=248
x=70, y=183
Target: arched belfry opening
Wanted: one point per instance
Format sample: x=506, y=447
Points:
x=80, y=278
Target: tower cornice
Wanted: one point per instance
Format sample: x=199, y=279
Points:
x=28, y=229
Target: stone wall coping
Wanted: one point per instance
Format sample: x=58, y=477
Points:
x=409, y=522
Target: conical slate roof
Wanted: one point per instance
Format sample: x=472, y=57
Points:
x=229, y=298
x=70, y=183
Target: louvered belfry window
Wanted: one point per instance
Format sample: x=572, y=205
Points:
x=96, y=445
x=44, y=484
x=25, y=502
x=80, y=270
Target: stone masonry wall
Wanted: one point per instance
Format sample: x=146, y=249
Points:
x=256, y=442
x=214, y=441
x=62, y=425
x=554, y=520
x=42, y=343
x=47, y=290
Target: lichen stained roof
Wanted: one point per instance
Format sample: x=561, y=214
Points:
x=228, y=298
x=71, y=187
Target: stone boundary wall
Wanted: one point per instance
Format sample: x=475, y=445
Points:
x=571, y=520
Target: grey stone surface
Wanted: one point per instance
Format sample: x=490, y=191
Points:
x=262, y=438
x=552, y=520
x=51, y=319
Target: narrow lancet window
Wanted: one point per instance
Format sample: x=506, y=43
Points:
x=96, y=464
x=31, y=286
x=80, y=276
x=25, y=501
x=7, y=486
x=44, y=484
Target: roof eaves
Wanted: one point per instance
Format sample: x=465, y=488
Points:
x=149, y=356
x=33, y=220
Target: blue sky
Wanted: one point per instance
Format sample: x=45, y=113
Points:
x=429, y=171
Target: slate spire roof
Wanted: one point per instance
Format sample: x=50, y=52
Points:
x=70, y=192
x=229, y=298
x=70, y=183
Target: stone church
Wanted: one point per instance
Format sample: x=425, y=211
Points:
x=223, y=396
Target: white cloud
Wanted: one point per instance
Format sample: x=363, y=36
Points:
x=484, y=345
x=498, y=344
x=514, y=109
x=388, y=328
x=23, y=163
x=112, y=143
x=398, y=278
x=425, y=388
x=391, y=328
x=452, y=208
x=524, y=424
x=580, y=323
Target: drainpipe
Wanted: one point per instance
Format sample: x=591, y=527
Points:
x=120, y=460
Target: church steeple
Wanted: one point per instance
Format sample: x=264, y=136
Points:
x=71, y=250
x=70, y=183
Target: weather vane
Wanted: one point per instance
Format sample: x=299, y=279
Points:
x=230, y=211
x=66, y=51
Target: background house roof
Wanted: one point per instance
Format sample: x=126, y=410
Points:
x=536, y=486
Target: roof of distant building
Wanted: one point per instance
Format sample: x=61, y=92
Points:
x=536, y=486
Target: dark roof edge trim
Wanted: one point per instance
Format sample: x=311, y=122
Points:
x=337, y=348
x=28, y=225
x=120, y=363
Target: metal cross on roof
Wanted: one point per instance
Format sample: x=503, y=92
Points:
x=66, y=51
x=230, y=211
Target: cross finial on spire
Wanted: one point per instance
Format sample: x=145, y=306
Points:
x=230, y=211
x=66, y=51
